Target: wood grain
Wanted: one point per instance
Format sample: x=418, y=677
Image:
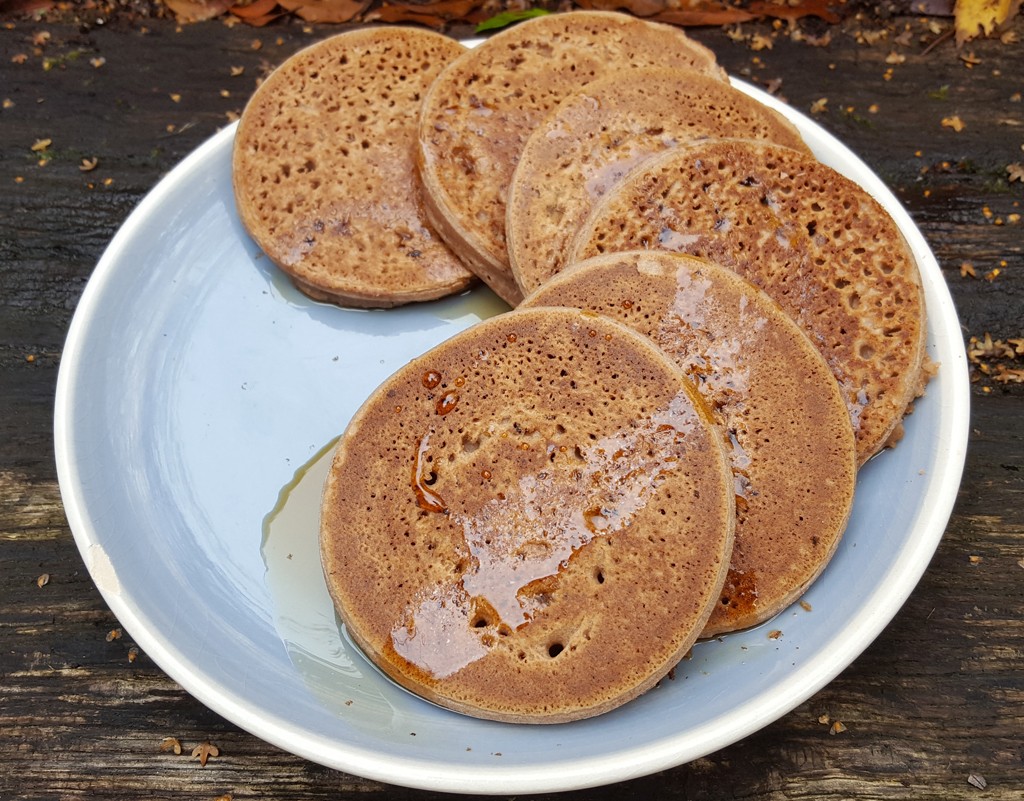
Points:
x=939, y=695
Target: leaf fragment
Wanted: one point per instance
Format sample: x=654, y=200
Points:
x=205, y=751
x=43, y=580
x=171, y=744
x=507, y=18
x=1015, y=171
x=88, y=165
x=837, y=727
x=40, y=145
x=953, y=122
x=977, y=780
x=198, y=10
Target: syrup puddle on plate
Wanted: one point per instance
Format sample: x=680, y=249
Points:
x=329, y=663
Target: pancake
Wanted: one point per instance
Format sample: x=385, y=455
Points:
x=482, y=107
x=595, y=136
x=531, y=522
x=793, y=452
x=815, y=241
x=324, y=171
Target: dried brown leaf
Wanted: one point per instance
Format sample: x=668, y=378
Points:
x=205, y=751
x=257, y=8
x=325, y=10
x=434, y=14
x=12, y=7
x=1015, y=171
x=1007, y=375
x=198, y=10
x=171, y=744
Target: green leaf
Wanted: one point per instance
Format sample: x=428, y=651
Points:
x=509, y=17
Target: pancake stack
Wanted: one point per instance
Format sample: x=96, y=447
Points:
x=534, y=521
x=597, y=135
x=820, y=245
x=482, y=108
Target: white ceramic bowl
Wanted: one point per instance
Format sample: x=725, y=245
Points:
x=196, y=390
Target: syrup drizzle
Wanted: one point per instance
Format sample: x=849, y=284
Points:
x=527, y=535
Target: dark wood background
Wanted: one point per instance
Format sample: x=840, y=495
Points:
x=934, y=709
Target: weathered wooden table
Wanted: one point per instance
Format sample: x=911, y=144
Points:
x=934, y=709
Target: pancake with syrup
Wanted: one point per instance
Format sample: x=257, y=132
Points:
x=814, y=240
x=531, y=522
x=482, y=107
x=324, y=169
x=792, y=447
x=597, y=135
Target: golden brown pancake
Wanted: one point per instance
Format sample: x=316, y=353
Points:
x=480, y=110
x=792, y=454
x=531, y=522
x=597, y=135
x=821, y=246
x=324, y=170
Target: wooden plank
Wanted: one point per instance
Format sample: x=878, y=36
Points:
x=937, y=698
